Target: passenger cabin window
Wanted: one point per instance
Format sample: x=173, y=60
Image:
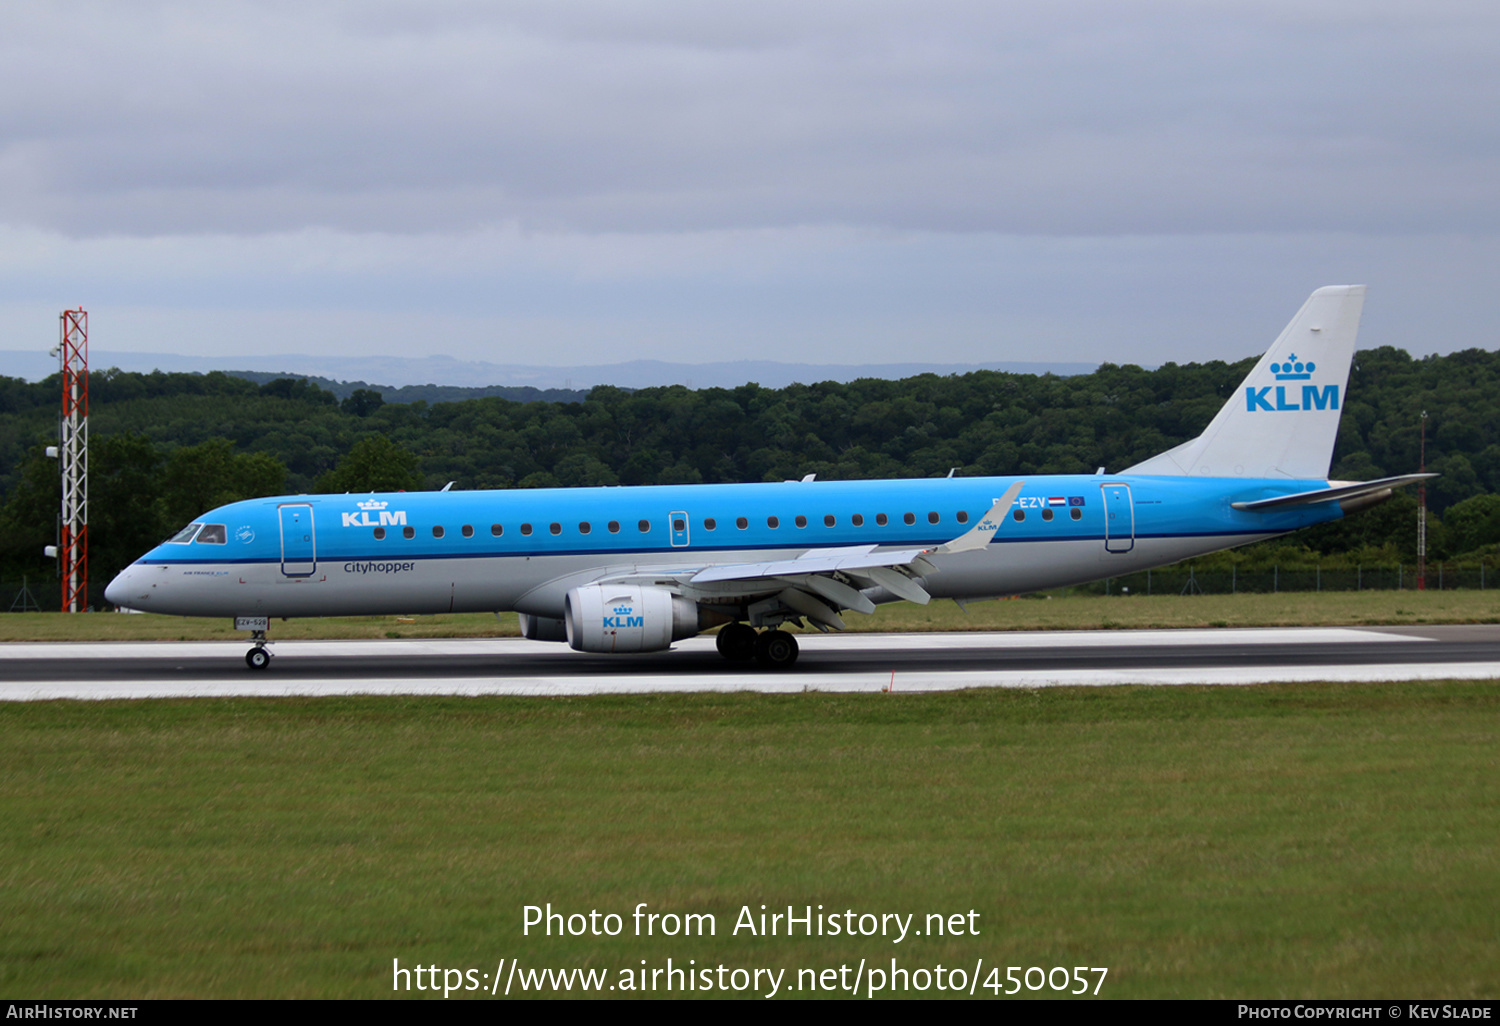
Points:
x=584, y=527
x=741, y=523
x=829, y=520
x=1076, y=513
x=555, y=528
x=933, y=518
x=962, y=517
x=801, y=521
x=408, y=531
x=710, y=524
x=773, y=522
x=1046, y=514
x=380, y=534
x=614, y=527
x=437, y=530
x=496, y=530
x=910, y=518
x=1020, y=515
x=526, y=529
x=679, y=524
x=185, y=535
x=858, y=520
x=212, y=534
x=881, y=519
x=645, y=526
x=468, y=530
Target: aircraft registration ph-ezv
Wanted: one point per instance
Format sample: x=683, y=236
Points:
x=634, y=569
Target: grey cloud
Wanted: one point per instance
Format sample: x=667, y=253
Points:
x=1083, y=118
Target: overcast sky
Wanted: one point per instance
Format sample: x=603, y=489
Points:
x=578, y=183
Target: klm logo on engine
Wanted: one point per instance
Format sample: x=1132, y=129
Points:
x=1283, y=398
x=386, y=518
x=622, y=618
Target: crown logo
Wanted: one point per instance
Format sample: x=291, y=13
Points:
x=1293, y=369
x=373, y=504
x=622, y=610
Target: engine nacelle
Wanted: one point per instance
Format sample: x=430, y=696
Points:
x=627, y=618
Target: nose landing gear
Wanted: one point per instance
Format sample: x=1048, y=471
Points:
x=259, y=657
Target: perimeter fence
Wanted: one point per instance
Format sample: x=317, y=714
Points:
x=30, y=594
x=1189, y=580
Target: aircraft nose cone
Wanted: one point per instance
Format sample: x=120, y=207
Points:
x=117, y=592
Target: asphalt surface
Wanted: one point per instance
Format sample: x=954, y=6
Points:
x=835, y=662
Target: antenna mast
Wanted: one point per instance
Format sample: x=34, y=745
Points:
x=74, y=356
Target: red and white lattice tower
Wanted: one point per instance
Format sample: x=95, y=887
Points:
x=74, y=456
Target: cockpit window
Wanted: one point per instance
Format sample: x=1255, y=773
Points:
x=185, y=535
x=212, y=534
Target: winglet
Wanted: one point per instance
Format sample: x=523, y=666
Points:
x=978, y=536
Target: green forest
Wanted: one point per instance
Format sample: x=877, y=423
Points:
x=166, y=447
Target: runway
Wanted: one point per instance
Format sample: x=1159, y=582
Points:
x=846, y=662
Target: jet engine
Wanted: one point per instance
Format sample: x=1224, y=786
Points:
x=628, y=618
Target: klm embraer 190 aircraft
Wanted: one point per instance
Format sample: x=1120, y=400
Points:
x=635, y=569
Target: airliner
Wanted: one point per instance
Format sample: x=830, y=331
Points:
x=633, y=569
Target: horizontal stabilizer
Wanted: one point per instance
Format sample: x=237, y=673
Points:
x=1332, y=494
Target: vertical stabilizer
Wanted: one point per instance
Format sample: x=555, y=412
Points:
x=1284, y=418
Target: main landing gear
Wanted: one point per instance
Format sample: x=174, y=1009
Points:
x=773, y=650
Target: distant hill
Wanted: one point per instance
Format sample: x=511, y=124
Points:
x=397, y=373
x=426, y=393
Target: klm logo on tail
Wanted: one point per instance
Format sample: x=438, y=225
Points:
x=1314, y=397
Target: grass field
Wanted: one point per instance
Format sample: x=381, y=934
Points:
x=1308, y=841
x=1074, y=612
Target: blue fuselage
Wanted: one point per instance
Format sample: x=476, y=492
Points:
x=419, y=552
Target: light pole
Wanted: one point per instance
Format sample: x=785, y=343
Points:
x=1422, y=514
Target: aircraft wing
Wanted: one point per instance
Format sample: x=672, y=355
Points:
x=820, y=582
x=817, y=561
x=857, y=558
